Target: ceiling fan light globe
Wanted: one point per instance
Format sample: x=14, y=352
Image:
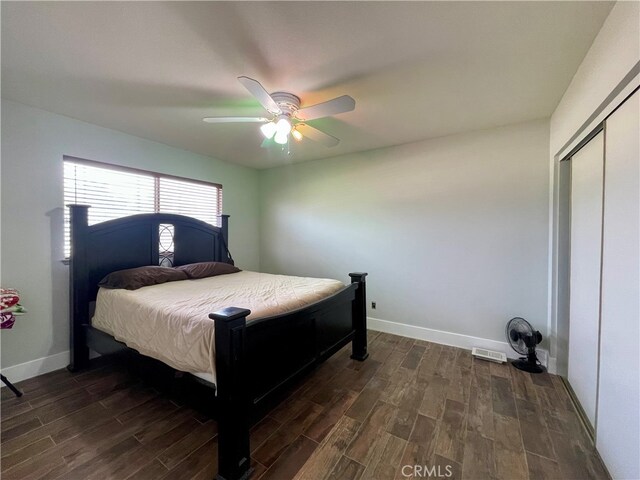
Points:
x=296, y=134
x=283, y=126
x=281, y=138
x=268, y=129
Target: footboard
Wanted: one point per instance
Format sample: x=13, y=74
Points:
x=256, y=362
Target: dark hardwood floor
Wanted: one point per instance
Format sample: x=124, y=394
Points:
x=411, y=403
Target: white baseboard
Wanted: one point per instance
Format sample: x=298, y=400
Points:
x=451, y=339
x=39, y=366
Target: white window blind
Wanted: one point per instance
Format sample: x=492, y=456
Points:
x=114, y=192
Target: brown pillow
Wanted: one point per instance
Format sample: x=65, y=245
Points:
x=207, y=269
x=134, y=278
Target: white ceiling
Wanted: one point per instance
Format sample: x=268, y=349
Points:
x=416, y=70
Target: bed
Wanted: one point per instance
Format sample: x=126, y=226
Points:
x=255, y=349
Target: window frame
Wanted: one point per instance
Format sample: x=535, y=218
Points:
x=155, y=175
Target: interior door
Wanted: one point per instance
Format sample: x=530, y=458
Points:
x=618, y=425
x=587, y=178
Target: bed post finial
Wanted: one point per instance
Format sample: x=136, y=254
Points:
x=78, y=288
x=359, y=345
x=233, y=397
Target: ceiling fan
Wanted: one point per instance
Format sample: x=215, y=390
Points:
x=286, y=117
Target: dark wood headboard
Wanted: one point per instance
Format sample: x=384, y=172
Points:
x=129, y=242
x=134, y=241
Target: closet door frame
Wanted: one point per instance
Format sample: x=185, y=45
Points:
x=586, y=277
x=563, y=254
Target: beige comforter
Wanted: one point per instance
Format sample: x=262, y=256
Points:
x=170, y=321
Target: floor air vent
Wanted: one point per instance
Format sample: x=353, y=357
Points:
x=490, y=355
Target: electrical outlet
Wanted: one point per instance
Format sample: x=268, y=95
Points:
x=373, y=305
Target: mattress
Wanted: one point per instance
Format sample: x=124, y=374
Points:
x=170, y=322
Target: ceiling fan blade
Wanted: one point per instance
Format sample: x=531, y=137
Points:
x=317, y=136
x=235, y=119
x=332, y=107
x=258, y=91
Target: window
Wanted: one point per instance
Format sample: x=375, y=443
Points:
x=115, y=192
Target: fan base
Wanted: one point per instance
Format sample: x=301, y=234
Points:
x=528, y=366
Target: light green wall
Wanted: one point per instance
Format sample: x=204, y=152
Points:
x=33, y=144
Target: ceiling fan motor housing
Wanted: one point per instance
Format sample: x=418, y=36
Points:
x=288, y=102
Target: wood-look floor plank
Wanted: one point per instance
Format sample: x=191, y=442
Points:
x=148, y=412
x=503, y=400
x=529, y=412
x=25, y=425
x=451, y=433
x=478, y=458
x=386, y=458
x=68, y=388
x=363, y=375
x=434, y=396
x=558, y=416
x=575, y=459
x=166, y=438
x=523, y=386
x=292, y=459
x=263, y=430
x=446, y=361
x=320, y=427
x=402, y=423
x=363, y=404
x=327, y=455
x=346, y=469
x=288, y=409
x=380, y=354
x=399, y=384
x=542, y=379
x=562, y=394
x=282, y=438
x=442, y=467
x=362, y=446
x=391, y=364
x=540, y=468
x=421, y=444
x=500, y=369
x=123, y=400
x=18, y=456
x=181, y=449
x=413, y=357
x=404, y=344
x=14, y=407
x=114, y=462
x=388, y=339
x=510, y=459
x=429, y=361
x=460, y=384
x=150, y=471
x=183, y=419
x=480, y=413
x=257, y=470
x=203, y=461
x=481, y=368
